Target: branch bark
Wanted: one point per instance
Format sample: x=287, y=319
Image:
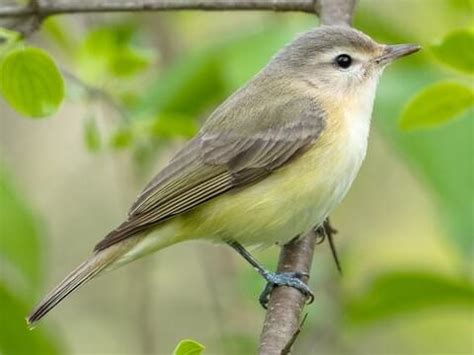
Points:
x=335, y=12
x=55, y=7
x=282, y=321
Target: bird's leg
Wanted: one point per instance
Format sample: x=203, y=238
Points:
x=274, y=279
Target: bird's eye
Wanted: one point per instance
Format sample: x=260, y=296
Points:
x=343, y=61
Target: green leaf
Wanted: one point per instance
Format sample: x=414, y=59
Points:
x=111, y=52
x=92, y=139
x=398, y=293
x=19, y=242
x=439, y=157
x=166, y=126
x=31, y=82
x=58, y=30
x=130, y=61
x=437, y=104
x=121, y=138
x=170, y=126
x=457, y=51
x=8, y=36
x=188, y=347
x=15, y=338
x=7, y=39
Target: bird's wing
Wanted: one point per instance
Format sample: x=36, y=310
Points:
x=223, y=157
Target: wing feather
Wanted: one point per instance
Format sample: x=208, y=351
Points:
x=217, y=161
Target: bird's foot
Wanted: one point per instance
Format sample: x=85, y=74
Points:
x=290, y=279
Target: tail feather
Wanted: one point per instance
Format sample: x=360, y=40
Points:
x=79, y=276
x=101, y=261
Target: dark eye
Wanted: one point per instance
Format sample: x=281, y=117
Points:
x=343, y=61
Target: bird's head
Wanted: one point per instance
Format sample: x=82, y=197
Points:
x=339, y=60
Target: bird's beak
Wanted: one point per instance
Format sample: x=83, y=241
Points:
x=392, y=52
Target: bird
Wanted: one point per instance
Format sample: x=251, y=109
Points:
x=268, y=164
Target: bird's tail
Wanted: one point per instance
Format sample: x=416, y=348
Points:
x=86, y=271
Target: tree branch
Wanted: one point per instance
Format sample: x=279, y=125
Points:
x=55, y=7
x=335, y=12
x=282, y=321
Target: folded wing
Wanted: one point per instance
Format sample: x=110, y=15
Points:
x=223, y=157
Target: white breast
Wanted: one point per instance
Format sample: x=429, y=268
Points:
x=344, y=153
x=355, y=149
x=356, y=117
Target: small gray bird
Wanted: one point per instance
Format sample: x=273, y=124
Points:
x=270, y=163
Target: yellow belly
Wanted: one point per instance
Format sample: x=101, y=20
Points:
x=289, y=202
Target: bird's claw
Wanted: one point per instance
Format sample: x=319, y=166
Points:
x=290, y=279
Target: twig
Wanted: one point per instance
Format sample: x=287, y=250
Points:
x=285, y=304
x=29, y=24
x=327, y=232
x=50, y=7
x=95, y=93
x=287, y=349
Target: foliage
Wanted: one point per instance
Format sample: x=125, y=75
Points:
x=437, y=104
x=456, y=51
x=7, y=39
x=20, y=240
x=444, y=101
x=21, y=260
x=121, y=138
x=109, y=51
x=396, y=294
x=188, y=347
x=30, y=81
x=92, y=137
x=431, y=151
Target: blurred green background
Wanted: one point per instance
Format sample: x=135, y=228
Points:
x=137, y=86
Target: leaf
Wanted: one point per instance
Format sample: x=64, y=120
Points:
x=121, y=138
x=440, y=157
x=437, y=104
x=398, y=293
x=111, y=52
x=170, y=126
x=19, y=242
x=130, y=61
x=457, y=51
x=7, y=36
x=15, y=338
x=7, y=39
x=31, y=82
x=58, y=29
x=188, y=347
x=91, y=135
x=19, y=256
